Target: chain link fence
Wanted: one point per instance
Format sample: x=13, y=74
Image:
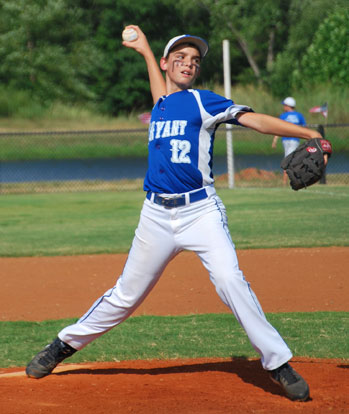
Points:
x=34, y=162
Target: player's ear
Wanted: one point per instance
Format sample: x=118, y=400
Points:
x=163, y=63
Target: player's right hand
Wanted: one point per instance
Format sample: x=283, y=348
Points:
x=141, y=44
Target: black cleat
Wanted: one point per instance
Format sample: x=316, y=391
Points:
x=294, y=385
x=47, y=359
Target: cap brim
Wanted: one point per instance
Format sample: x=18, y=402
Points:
x=200, y=43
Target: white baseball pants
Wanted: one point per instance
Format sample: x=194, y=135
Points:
x=289, y=145
x=161, y=234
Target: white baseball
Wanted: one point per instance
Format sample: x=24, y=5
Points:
x=129, y=35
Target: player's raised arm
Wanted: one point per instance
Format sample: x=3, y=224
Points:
x=267, y=124
x=141, y=45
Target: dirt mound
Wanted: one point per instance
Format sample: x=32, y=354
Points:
x=203, y=386
x=61, y=287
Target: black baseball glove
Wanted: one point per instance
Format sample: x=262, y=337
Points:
x=305, y=166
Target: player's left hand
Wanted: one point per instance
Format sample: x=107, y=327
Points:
x=325, y=159
x=306, y=165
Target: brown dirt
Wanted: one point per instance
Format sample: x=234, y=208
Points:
x=284, y=280
x=251, y=174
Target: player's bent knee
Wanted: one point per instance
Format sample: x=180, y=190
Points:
x=228, y=279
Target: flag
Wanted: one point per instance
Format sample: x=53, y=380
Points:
x=145, y=118
x=323, y=109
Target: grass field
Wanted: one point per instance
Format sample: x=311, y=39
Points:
x=104, y=222
x=133, y=143
x=317, y=335
x=60, y=117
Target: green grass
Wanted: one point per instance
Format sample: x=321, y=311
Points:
x=133, y=143
x=21, y=113
x=262, y=101
x=317, y=335
x=104, y=222
x=26, y=115
x=273, y=218
x=60, y=117
x=64, y=224
x=74, y=146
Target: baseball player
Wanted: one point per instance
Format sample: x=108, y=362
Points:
x=289, y=115
x=182, y=211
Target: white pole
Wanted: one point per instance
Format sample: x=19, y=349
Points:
x=229, y=132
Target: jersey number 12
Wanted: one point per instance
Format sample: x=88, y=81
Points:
x=180, y=150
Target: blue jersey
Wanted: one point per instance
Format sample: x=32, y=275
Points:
x=181, y=135
x=295, y=118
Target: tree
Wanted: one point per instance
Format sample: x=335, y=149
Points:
x=303, y=20
x=45, y=48
x=327, y=58
x=123, y=83
x=257, y=28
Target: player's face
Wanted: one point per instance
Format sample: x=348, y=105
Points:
x=182, y=67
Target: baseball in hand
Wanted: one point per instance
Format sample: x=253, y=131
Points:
x=129, y=35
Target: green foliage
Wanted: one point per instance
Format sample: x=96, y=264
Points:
x=19, y=103
x=70, y=50
x=315, y=334
x=303, y=21
x=45, y=49
x=327, y=58
x=123, y=83
x=255, y=29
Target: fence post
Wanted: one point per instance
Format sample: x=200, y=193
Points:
x=321, y=129
x=229, y=132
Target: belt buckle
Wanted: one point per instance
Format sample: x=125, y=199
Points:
x=171, y=202
x=166, y=201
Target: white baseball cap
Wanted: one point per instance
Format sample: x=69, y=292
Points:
x=197, y=41
x=289, y=101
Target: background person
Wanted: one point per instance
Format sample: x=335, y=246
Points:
x=289, y=115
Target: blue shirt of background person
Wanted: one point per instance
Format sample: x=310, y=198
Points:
x=289, y=115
